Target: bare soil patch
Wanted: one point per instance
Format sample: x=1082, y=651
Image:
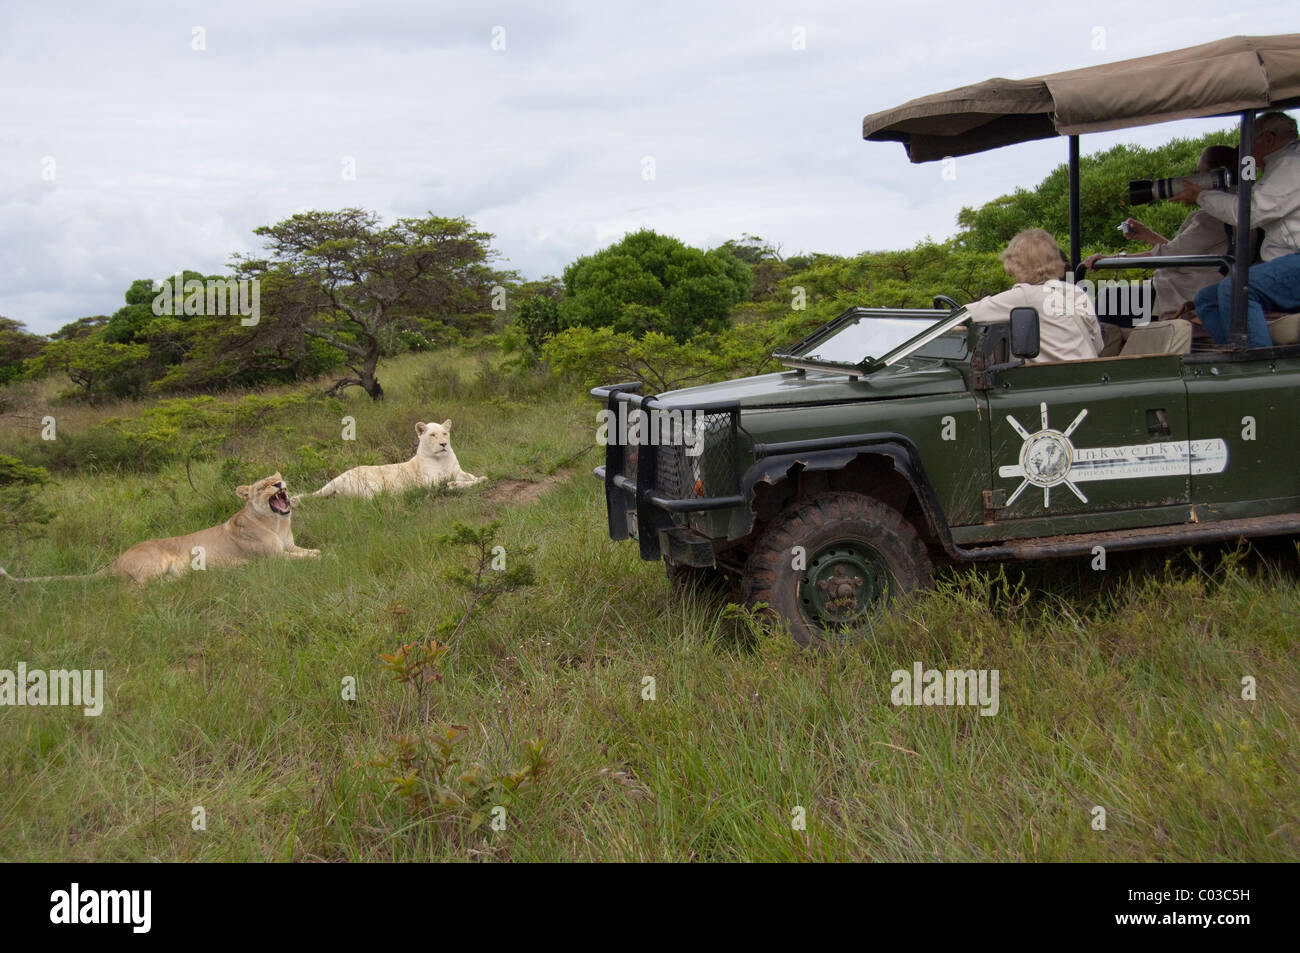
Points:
x=517, y=492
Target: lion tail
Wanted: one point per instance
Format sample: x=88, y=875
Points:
x=89, y=575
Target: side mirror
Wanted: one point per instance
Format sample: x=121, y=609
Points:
x=1024, y=333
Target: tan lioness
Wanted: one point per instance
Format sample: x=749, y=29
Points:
x=261, y=528
x=434, y=462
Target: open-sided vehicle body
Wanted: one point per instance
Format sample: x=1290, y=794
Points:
x=898, y=437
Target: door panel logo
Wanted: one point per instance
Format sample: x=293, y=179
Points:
x=1049, y=458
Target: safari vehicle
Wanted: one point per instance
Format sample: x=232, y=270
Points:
x=898, y=438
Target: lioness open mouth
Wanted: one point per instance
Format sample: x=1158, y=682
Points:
x=280, y=503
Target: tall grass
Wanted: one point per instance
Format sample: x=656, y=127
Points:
x=1119, y=690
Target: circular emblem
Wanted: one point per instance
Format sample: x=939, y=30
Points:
x=1046, y=458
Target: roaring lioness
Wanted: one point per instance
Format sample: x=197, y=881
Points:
x=434, y=462
x=261, y=528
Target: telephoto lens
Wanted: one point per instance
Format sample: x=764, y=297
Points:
x=1146, y=191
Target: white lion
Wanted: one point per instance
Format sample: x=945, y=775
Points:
x=434, y=462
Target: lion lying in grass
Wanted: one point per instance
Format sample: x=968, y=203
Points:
x=434, y=463
x=261, y=528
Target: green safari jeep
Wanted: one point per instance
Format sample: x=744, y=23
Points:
x=898, y=438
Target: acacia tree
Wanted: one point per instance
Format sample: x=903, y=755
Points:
x=342, y=278
x=17, y=345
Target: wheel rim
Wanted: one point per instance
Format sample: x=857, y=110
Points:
x=846, y=583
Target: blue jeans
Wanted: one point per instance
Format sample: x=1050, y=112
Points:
x=1274, y=286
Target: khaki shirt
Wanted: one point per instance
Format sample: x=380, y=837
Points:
x=1200, y=234
x=1274, y=203
x=1067, y=324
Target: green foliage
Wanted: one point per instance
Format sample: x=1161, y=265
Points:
x=176, y=430
x=427, y=770
x=824, y=284
x=591, y=357
x=1103, y=198
x=651, y=282
x=17, y=347
x=768, y=267
x=415, y=665
x=101, y=368
x=492, y=574
x=898, y=279
x=21, y=504
x=539, y=319
x=427, y=773
x=343, y=279
x=154, y=343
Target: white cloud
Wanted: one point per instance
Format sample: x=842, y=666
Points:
x=169, y=157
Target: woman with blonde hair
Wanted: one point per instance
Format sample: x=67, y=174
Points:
x=1067, y=325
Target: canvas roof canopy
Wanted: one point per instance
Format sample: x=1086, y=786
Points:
x=1224, y=77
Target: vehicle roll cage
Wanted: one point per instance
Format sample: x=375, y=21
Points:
x=1237, y=264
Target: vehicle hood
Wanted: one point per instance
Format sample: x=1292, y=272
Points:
x=908, y=378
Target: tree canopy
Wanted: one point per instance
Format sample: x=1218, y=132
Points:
x=652, y=282
x=344, y=279
x=1103, y=198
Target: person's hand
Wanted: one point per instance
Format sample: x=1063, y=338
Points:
x=1091, y=259
x=1139, y=232
x=1188, y=195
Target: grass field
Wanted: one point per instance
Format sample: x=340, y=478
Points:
x=1120, y=689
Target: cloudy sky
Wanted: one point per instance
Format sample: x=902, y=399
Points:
x=141, y=138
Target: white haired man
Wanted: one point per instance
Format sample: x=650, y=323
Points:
x=1274, y=207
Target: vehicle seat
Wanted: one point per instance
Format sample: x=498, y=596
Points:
x=1285, y=329
x=1112, y=338
x=1159, y=337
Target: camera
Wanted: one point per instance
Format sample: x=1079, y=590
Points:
x=1145, y=191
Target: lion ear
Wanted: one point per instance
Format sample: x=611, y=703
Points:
x=420, y=428
x=446, y=425
x=244, y=492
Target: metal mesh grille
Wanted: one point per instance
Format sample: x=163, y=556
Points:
x=712, y=472
x=669, y=476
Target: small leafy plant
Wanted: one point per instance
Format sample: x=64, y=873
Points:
x=490, y=575
x=429, y=774
x=21, y=506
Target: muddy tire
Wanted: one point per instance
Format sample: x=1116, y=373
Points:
x=858, y=555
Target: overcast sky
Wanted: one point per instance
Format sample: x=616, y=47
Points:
x=125, y=152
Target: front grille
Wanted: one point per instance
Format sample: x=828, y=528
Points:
x=680, y=475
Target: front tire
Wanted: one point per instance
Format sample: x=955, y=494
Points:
x=858, y=555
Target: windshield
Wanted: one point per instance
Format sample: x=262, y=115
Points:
x=878, y=338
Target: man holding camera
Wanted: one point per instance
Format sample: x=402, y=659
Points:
x=1200, y=234
x=1274, y=207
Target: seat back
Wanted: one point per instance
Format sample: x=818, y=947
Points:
x=1285, y=329
x=1159, y=337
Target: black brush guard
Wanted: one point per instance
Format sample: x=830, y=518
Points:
x=667, y=480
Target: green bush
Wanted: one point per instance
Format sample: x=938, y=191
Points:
x=649, y=282
x=185, y=428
